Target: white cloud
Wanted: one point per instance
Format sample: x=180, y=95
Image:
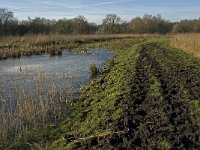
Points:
x=104, y=3
x=84, y=5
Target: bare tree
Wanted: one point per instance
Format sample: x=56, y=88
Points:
x=5, y=17
x=111, y=24
x=112, y=19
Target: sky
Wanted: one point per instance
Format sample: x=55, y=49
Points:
x=96, y=10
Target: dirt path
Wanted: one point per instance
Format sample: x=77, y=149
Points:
x=162, y=111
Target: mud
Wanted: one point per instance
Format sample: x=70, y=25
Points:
x=161, y=119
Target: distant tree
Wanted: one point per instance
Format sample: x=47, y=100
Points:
x=12, y=27
x=137, y=25
x=80, y=25
x=111, y=24
x=77, y=25
x=123, y=28
x=112, y=19
x=196, y=27
x=186, y=26
x=149, y=24
x=63, y=26
x=5, y=17
x=39, y=25
x=23, y=27
x=92, y=28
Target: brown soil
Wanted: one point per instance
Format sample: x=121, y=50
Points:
x=156, y=121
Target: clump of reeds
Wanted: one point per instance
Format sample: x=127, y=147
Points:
x=54, y=52
x=111, y=63
x=30, y=108
x=93, y=70
x=188, y=42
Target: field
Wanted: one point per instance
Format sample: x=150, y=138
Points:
x=148, y=97
x=188, y=42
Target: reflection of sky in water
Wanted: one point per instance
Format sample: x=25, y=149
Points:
x=28, y=68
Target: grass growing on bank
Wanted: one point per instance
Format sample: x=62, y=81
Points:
x=26, y=108
x=98, y=108
x=145, y=83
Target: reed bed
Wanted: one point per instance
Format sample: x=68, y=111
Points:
x=188, y=42
x=66, y=38
x=17, y=46
x=30, y=108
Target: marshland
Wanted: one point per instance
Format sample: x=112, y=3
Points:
x=73, y=84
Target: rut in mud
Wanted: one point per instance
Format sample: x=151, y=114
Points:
x=160, y=112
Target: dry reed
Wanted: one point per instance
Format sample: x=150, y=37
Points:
x=188, y=42
x=38, y=106
x=16, y=46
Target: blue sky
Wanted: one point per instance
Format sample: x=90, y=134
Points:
x=96, y=10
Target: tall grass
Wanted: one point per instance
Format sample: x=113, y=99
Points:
x=93, y=70
x=63, y=38
x=16, y=46
x=187, y=42
x=38, y=106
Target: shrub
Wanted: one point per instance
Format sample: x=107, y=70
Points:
x=93, y=71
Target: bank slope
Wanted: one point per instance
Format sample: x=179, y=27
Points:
x=147, y=98
x=159, y=102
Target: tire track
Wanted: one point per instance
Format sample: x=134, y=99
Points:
x=185, y=134
x=155, y=113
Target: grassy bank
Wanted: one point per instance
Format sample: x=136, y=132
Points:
x=147, y=98
x=100, y=104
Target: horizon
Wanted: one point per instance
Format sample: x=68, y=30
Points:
x=95, y=11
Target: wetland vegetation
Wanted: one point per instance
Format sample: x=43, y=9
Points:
x=142, y=99
x=143, y=93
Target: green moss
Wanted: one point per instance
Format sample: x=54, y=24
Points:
x=60, y=144
x=70, y=146
x=164, y=145
x=155, y=88
x=194, y=108
x=99, y=104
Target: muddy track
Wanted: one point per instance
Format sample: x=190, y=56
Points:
x=188, y=74
x=156, y=114
x=185, y=133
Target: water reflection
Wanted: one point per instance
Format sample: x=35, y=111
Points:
x=23, y=73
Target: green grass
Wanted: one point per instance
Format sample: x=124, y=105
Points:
x=101, y=104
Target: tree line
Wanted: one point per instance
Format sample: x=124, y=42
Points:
x=111, y=24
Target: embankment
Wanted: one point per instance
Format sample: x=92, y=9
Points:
x=147, y=98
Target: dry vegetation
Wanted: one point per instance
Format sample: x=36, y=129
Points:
x=17, y=46
x=66, y=38
x=147, y=98
x=187, y=42
x=38, y=106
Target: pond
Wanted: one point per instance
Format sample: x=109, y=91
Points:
x=31, y=73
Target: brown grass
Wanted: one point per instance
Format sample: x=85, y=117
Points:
x=17, y=46
x=188, y=42
x=65, y=38
x=34, y=107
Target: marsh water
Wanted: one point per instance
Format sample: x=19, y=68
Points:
x=27, y=72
